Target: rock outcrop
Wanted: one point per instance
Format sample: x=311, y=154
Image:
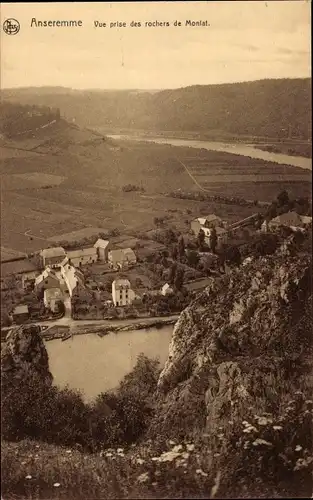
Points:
x=24, y=352
x=244, y=342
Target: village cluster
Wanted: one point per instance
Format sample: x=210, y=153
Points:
x=61, y=273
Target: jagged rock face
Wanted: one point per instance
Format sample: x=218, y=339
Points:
x=24, y=351
x=235, y=345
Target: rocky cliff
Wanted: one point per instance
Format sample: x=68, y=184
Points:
x=245, y=342
x=24, y=352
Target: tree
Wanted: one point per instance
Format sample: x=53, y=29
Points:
x=232, y=255
x=181, y=247
x=283, y=198
x=179, y=278
x=267, y=244
x=213, y=239
x=201, y=239
x=192, y=258
x=272, y=211
x=172, y=274
x=174, y=252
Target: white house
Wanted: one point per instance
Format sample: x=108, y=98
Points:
x=82, y=256
x=120, y=258
x=209, y=221
x=51, y=297
x=122, y=294
x=72, y=277
x=102, y=247
x=166, y=289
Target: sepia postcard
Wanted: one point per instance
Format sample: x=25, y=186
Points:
x=156, y=250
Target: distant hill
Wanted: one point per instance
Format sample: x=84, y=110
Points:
x=17, y=120
x=265, y=108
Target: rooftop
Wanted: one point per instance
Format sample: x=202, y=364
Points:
x=121, y=282
x=288, y=218
x=22, y=309
x=81, y=252
x=100, y=243
x=122, y=253
x=208, y=218
x=53, y=252
x=17, y=267
x=44, y=275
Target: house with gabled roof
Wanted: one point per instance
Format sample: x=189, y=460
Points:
x=208, y=221
x=82, y=256
x=47, y=279
x=121, y=258
x=290, y=219
x=52, y=256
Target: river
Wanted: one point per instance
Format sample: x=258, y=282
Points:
x=234, y=148
x=93, y=364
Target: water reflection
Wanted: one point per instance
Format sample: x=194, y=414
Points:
x=93, y=364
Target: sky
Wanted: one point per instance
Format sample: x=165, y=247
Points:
x=245, y=40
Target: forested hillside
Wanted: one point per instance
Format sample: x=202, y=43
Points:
x=17, y=119
x=266, y=108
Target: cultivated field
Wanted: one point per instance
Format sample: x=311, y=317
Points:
x=75, y=186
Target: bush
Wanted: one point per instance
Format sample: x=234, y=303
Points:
x=54, y=415
x=132, y=187
x=61, y=417
x=274, y=450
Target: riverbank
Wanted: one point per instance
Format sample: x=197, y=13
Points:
x=237, y=148
x=61, y=329
x=65, y=332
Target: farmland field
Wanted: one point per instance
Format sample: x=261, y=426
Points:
x=78, y=187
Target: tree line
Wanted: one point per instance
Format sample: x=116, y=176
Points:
x=17, y=118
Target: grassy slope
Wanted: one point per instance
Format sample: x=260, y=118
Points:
x=260, y=108
x=85, y=175
x=110, y=474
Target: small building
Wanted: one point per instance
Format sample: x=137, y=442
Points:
x=289, y=219
x=166, y=289
x=47, y=279
x=20, y=314
x=82, y=256
x=51, y=298
x=124, y=257
x=208, y=221
x=102, y=247
x=122, y=294
x=52, y=256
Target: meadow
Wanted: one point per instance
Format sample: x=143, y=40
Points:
x=67, y=180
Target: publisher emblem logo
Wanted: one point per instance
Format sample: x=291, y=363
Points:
x=11, y=26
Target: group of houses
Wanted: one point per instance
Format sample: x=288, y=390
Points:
x=292, y=220
x=207, y=224
x=62, y=273
x=61, y=269
x=224, y=231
